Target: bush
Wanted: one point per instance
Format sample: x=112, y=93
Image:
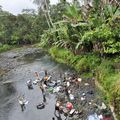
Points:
x=81, y=63
x=61, y=55
x=4, y=47
x=87, y=63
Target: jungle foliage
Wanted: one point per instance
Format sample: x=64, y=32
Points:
x=24, y=28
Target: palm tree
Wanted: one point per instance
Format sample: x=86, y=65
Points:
x=44, y=5
x=0, y=7
x=111, y=2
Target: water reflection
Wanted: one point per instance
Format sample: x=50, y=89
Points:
x=28, y=58
x=7, y=92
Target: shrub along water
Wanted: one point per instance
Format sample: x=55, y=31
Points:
x=4, y=47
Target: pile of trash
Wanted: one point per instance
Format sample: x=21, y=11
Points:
x=75, y=96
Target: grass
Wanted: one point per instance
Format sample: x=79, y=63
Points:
x=80, y=63
x=5, y=47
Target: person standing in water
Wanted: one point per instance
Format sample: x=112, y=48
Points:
x=43, y=91
x=21, y=101
x=37, y=76
x=44, y=97
x=58, y=110
x=46, y=73
x=41, y=87
x=29, y=84
x=58, y=116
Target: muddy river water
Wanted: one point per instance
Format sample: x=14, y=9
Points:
x=16, y=79
x=9, y=106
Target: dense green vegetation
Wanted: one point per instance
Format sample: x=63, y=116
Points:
x=85, y=37
x=5, y=47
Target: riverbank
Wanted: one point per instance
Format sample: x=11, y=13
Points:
x=105, y=71
x=5, y=47
x=11, y=59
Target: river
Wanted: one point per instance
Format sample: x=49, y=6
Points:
x=21, y=69
x=9, y=106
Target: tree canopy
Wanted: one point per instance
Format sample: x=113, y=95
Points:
x=93, y=26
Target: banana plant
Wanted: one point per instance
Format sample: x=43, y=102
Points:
x=111, y=12
x=72, y=14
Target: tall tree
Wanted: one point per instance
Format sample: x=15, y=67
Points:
x=0, y=8
x=44, y=4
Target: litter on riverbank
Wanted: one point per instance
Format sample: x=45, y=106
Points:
x=75, y=97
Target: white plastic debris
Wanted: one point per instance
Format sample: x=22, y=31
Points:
x=25, y=102
x=71, y=97
x=50, y=77
x=86, y=84
x=72, y=111
x=69, y=78
x=82, y=98
x=28, y=81
x=69, y=91
x=83, y=94
x=79, y=79
x=103, y=106
x=57, y=89
x=101, y=117
x=58, y=81
x=90, y=103
x=57, y=104
x=35, y=82
x=68, y=84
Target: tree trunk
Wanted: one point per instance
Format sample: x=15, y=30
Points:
x=48, y=13
x=47, y=21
